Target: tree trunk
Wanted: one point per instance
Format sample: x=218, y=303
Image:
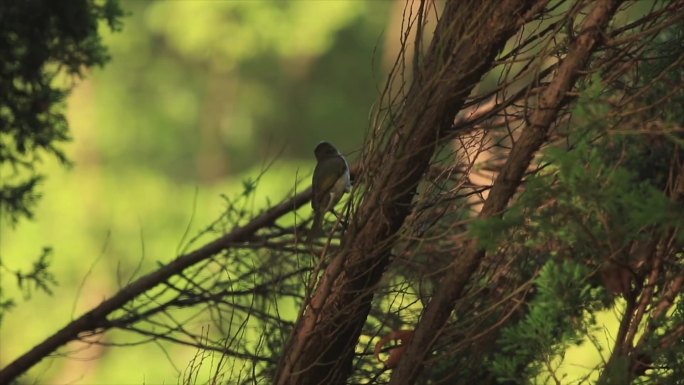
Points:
x=468, y=37
x=551, y=99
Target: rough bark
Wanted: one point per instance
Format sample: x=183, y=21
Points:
x=551, y=100
x=468, y=37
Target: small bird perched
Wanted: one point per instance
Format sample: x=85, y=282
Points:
x=330, y=181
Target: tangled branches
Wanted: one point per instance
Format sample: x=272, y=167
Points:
x=523, y=172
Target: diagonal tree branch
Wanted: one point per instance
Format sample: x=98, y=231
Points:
x=96, y=319
x=551, y=99
x=468, y=37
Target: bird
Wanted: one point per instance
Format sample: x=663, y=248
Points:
x=330, y=181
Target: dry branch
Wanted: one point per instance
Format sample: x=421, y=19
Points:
x=550, y=101
x=95, y=320
x=468, y=37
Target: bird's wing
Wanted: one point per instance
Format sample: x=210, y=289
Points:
x=325, y=180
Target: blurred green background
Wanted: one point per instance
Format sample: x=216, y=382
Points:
x=198, y=96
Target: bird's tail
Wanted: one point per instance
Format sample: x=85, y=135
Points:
x=317, y=226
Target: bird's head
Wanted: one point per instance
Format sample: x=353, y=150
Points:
x=325, y=150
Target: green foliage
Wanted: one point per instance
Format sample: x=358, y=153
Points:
x=665, y=347
x=608, y=201
x=41, y=40
x=44, y=44
x=5, y=305
x=661, y=71
x=16, y=200
x=616, y=371
x=39, y=277
x=491, y=232
x=588, y=202
x=556, y=314
x=594, y=198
